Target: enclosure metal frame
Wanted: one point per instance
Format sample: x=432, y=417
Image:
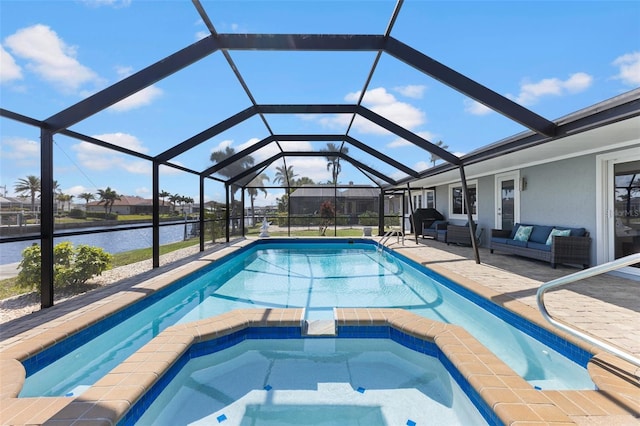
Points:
x=541, y=130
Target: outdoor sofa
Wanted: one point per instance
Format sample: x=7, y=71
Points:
x=436, y=230
x=553, y=244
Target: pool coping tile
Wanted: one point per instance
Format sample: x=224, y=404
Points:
x=618, y=391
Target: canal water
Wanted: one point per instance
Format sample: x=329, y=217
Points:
x=111, y=242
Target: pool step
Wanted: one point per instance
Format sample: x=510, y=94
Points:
x=322, y=327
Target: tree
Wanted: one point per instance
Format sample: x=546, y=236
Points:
x=87, y=196
x=173, y=200
x=29, y=186
x=231, y=171
x=163, y=194
x=434, y=157
x=304, y=181
x=333, y=161
x=285, y=176
x=252, y=190
x=107, y=196
x=64, y=199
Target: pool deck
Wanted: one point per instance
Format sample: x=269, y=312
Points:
x=607, y=307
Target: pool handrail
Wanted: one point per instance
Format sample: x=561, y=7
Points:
x=586, y=273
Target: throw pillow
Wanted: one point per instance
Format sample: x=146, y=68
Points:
x=558, y=232
x=523, y=233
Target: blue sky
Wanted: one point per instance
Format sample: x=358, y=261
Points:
x=552, y=57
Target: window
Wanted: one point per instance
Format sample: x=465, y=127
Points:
x=417, y=201
x=457, y=205
x=430, y=196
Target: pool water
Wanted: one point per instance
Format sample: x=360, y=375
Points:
x=317, y=277
x=313, y=381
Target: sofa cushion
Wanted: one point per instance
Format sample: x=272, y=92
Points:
x=558, y=232
x=517, y=243
x=516, y=227
x=540, y=234
x=500, y=240
x=538, y=246
x=523, y=233
x=575, y=232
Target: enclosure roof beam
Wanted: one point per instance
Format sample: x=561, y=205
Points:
x=465, y=85
x=238, y=155
x=279, y=155
x=132, y=84
x=408, y=135
x=207, y=134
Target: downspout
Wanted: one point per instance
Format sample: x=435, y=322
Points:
x=472, y=224
x=155, y=213
x=46, y=219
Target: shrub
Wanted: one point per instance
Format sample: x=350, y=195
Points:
x=368, y=219
x=77, y=214
x=71, y=267
x=102, y=215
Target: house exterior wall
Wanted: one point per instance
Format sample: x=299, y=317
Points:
x=560, y=193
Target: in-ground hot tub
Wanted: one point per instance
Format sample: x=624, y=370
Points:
x=315, y=381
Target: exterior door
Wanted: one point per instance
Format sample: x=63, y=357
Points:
x=507, y=200
x=626, y=209
x=618, y=201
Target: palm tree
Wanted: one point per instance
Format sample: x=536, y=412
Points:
x=434, y=157
x=29, y=185
x=173, y=199
x=64, y=199
x=231, y=171
x=333, y=161
x=87, y=196
x=304, y=180
x=108, y=197
x=163, y=194
x=285, y=176
x=252, y=190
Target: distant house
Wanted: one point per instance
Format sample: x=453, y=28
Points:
x=129, y=205
x=21, y=203
x=353, y=201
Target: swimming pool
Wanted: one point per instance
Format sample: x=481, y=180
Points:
x=316, y=276
x=312, y=381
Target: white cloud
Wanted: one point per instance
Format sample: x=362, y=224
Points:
x=382, y=103
x=629, y=68
x=222, y=146
x=21, y=151
x=476, y=108
x=399, y=142
x=414, y=91
x=530, y=93
x=311, y=167
x=144, y=192
x=77, y=190
x=202, y=34
x=9, y=70
x=139, y=99
x=49, y=57
x=97, y=158
x=422, y=165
